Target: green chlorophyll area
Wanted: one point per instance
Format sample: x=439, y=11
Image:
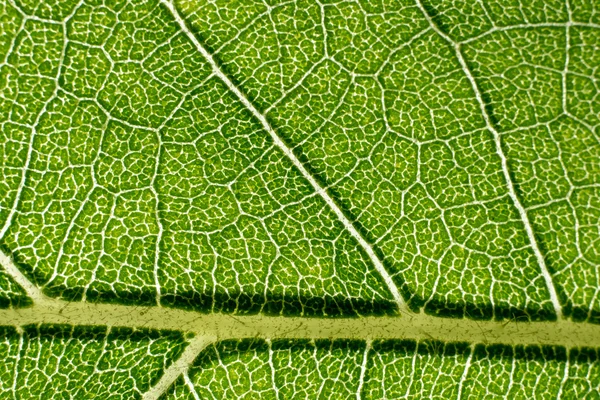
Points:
x=299, y=199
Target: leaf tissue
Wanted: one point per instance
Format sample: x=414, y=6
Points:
x=287, y=199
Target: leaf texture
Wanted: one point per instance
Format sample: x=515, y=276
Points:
x=330, y=159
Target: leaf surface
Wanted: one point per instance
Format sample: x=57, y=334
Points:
x=431, y=161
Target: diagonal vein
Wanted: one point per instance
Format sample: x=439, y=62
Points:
x=179, y=366
x=511, y=189
x=363, y=369
x=297, y=163
x=31, y=290
x=465, y=371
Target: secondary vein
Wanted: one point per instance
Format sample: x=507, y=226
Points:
x=402, y=307
x=511, y=189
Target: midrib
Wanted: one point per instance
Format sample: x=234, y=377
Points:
x=46, y=310
x=210, y=328
x=226, y=326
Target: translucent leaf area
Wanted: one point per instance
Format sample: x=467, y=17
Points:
x=297, y=158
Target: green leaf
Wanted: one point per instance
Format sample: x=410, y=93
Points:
x=298, y=199
x=74, y=362
x=397, y=369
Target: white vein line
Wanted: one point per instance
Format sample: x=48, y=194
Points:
x=19, y=192
x=42, y=111
x=190, y=385
x=288, y=152
x=160, y=232
x=530, y=26
x=511, y=189
x=565, y=375
x=272, y=368
x=511, y=379
x=295, y=86
x=218, y=326
x=363, y=370
x=465, y=372
x=181, y=366
x=30, y=289
x=16, y=367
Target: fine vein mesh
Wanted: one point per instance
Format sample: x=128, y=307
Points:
x=386, y=118
x=99, y=175
x=460, y=138
x=133, y=174
x=146, y=181
x=75, y=362
x=394, y=369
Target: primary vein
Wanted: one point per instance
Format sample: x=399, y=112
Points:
x=215, y=326
x=418, y=327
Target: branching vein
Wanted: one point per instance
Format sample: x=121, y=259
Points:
x=511, y=189
x=402, y=307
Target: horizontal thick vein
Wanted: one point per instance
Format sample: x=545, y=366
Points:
x=297, y=163
x=215, y=327
x=511, y=189
x=225, y=326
